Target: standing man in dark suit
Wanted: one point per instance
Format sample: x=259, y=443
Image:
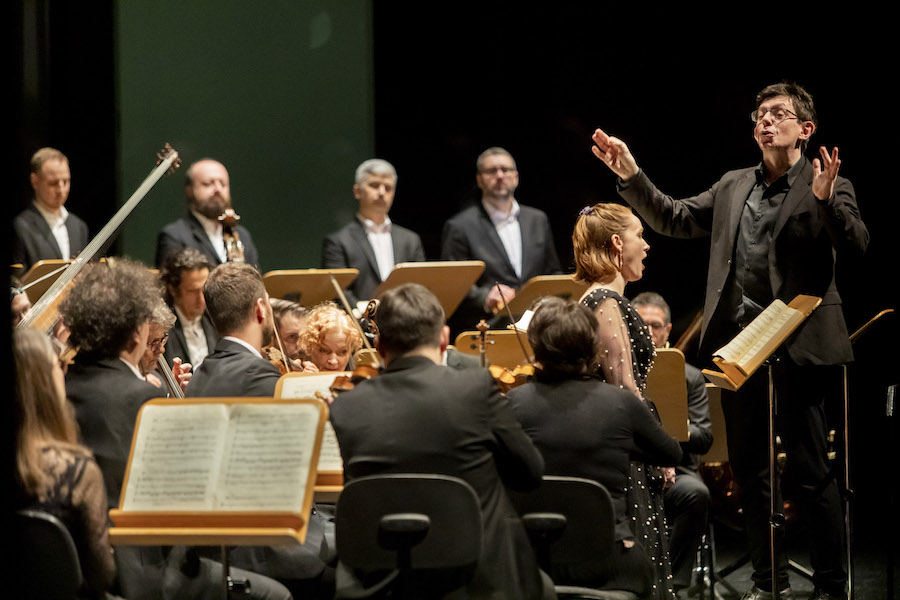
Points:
x=46, y=230
x=514, y=241
x=371, y=243
x=775, y=229
x=687, y=499
x=194, y=336
x=208, y=191
x=239, y=305
x=421, y=417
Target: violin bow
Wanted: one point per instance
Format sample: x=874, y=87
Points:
x=513, y=321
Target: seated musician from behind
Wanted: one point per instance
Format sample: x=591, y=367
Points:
x=330, y=338
x=587, y=428
x=53, y=472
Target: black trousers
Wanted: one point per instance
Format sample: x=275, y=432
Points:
x=800, y=393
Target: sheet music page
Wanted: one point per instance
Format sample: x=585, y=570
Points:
x=748, y=339
x=308, y=386
x=176, y=457
x=267, y=457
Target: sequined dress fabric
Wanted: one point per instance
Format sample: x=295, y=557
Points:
x=626, y=357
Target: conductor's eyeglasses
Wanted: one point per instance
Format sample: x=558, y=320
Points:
x=779, y=114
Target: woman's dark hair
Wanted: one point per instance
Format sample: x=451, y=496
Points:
x=563, y=336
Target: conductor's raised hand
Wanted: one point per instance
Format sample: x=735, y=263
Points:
x=615, y=154
x=825, y=173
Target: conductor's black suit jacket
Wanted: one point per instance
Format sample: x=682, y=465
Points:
x=187, y=232
x=349, y=247
x=419, y=417
x=806, y=237
x=34, y=241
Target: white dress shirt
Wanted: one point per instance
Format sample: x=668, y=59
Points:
x=134, y=369
x=195, y=337
x=57, y=224
x=213, y=229
x=380, y=239
x=507, y=226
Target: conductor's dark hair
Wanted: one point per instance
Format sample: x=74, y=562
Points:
x=563, y=336
x=802, y=100
x=106, y=305
x=231, y=292
x=408, y=317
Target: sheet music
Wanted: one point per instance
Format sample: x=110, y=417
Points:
x=268, y=450
x=176, y=457
x=308, y=386
x=751, y=339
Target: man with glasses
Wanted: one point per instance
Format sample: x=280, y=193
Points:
x=514, y=241
x=775, y=229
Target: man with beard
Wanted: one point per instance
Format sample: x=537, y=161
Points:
x=208, y=191
x=239, y=306
x=495, y=231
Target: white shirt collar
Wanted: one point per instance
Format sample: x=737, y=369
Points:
x=213, y=228
x=372, y=227
x=51, y=218
x=498, y=217
x=244, y=344
x=134, y=369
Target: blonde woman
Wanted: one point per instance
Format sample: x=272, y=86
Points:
x=329, y=338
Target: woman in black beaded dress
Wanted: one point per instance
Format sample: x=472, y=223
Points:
x=609, y=253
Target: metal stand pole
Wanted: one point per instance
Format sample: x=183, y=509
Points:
x=776, y=516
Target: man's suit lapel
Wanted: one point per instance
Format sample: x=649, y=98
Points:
x=358, y=233
x=532, y=258
x=736, y=207
x=200, y=236
x=795, y=196
x=489, y=232
x=40, y=226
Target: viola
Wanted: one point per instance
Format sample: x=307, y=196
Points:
x=234, y=248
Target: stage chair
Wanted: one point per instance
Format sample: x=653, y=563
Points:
x=46, y=561
x=568, y=519
x=411, y=528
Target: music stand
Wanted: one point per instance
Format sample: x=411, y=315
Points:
x=307, y=287
x=448, y=280
x=501, y=348
x=848, y=493
x=330, y=466
x=759, y=341
x=160, y=505
x=563, y=286
x=41, y=276
x=667, y=389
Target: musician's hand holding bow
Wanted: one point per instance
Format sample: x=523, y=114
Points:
x=615, y=154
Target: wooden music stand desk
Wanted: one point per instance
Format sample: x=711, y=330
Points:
x=564, y=286
x=330, y=467
x=449, y=280
x=501, y=347
x=667, y=388
x=152, y=509
x=42, y=268
x=308, y=287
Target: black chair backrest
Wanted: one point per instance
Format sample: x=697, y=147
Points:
x=588, y=513
x=373, y=510
x=46, y=560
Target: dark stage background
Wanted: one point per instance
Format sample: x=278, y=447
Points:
x=428, y=88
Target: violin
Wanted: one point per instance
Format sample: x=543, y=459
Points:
x=345, y=383
x=506, y=378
